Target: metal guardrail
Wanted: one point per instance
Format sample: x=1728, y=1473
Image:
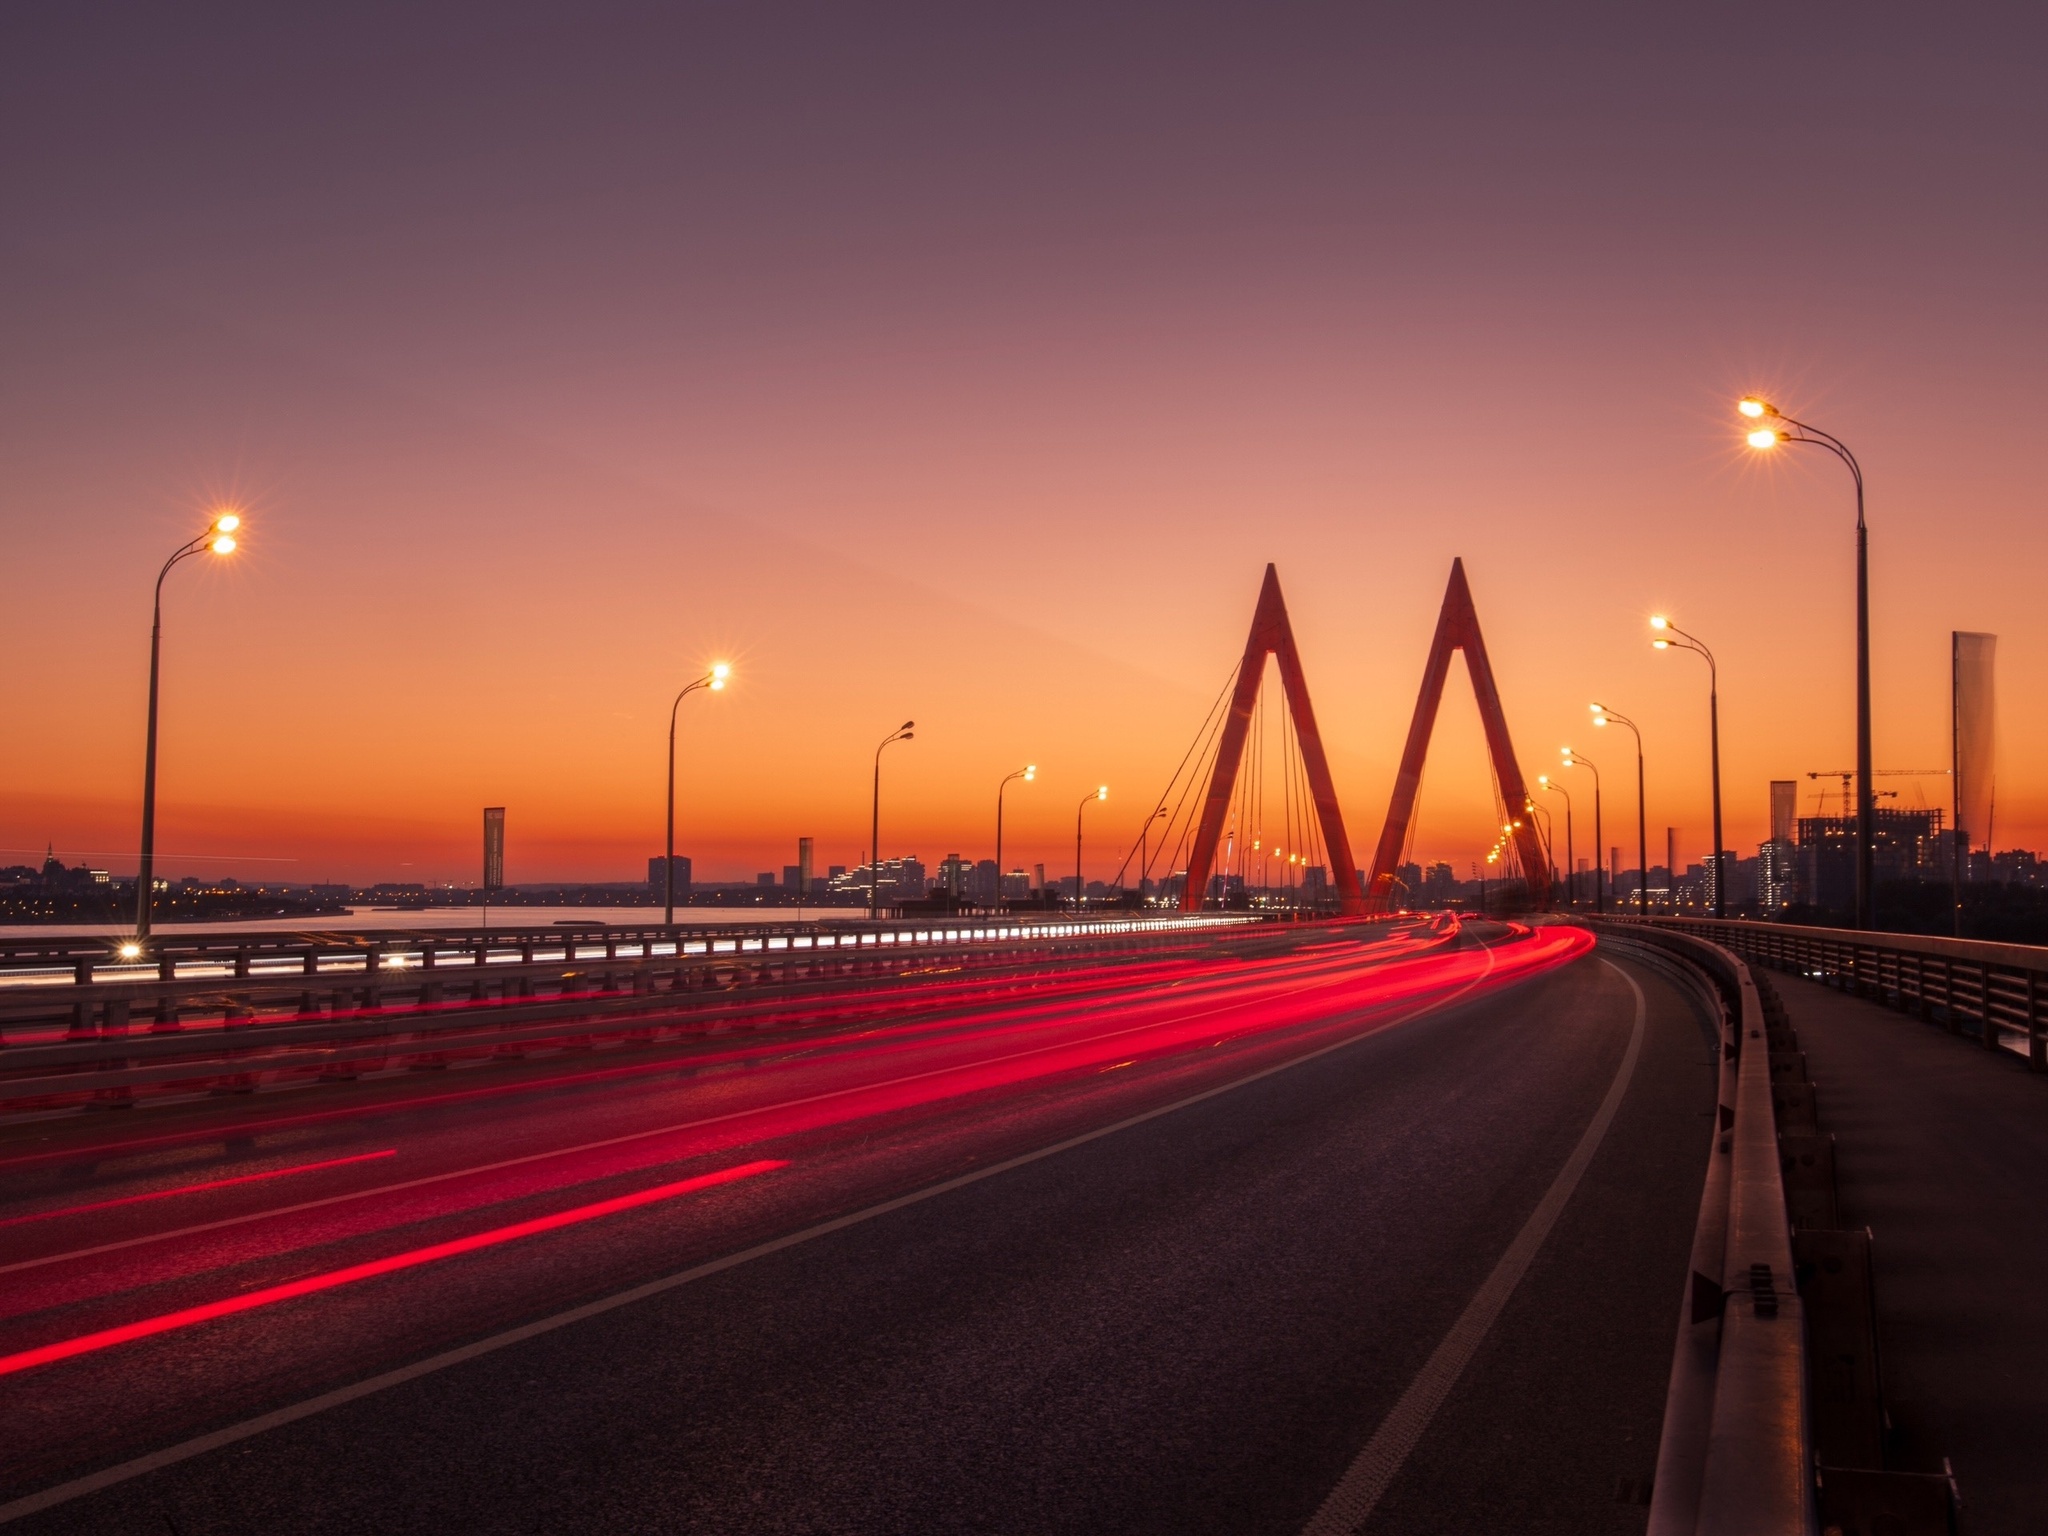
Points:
x=1997, y=993
x=1735, y=1458
x=235, y=977
x=66, y=958
x=280, y=1030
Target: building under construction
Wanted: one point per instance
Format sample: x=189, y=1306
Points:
x=1905, y=845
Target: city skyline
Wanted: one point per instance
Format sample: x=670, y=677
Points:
x=521, y=448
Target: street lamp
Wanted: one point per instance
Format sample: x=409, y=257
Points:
x=1766, y=438
x=1080, y=890
x=1693, y=643
x=1027, y=773
x=1574, y=760
x=901, y=733
x=1571, y=866
x=219, y=538
x=714, y=680
x=1145, y=850
x=1602, y=715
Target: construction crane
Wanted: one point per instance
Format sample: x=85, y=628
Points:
x=1848, y=777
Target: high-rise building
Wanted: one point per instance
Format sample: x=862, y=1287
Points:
x=803, y=866
x=1784, y=809
x=1972, y=701
x=494, y=847
x=655, y=879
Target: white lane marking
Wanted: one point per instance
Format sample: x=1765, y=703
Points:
x=660, y=1130
x=1351, y=1503
x=63, y=1493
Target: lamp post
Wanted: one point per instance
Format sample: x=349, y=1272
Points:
x=1698, y=647
x=1145, y=850
x=220, y=539
x=1764, y=437
x=1602, y=715
x=715, y=681
x=901, y=733
x=1571, y=866
x=1080, y=890
x=1027, y=773
x=1573, y=760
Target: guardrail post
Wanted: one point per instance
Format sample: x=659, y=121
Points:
x=2037, y=1045
x=166, y=1021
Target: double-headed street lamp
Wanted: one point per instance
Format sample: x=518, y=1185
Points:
x=1574, y=760
x=1602, y=715
x=1080, y=890
x=715, y=681
x=219, y=539
x=1571, y=867
x=1027, y=773
x=1768, y=437
x=1698, y=647
x=901, y=733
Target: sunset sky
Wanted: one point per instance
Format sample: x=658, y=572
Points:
x=968, y=364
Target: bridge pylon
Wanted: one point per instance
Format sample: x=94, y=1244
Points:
x=1271, y=635
x=1457, y=629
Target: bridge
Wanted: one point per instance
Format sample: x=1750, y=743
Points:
x=1153, y=1220
x=1402, y=1224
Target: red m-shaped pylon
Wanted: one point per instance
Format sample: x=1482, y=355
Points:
x=1271, y=635
x=1457, y=628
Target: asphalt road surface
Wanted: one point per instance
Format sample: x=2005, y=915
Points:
x=1214, y=1240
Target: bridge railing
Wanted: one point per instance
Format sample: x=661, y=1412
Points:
x=1735, y=1458
x=1994, y=993
x=229, y=980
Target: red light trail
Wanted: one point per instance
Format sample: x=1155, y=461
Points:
x=197, y=1189
x=308, y=1285
x=1011, y=1036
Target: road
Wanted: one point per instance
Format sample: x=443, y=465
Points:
x=1162, y=1247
